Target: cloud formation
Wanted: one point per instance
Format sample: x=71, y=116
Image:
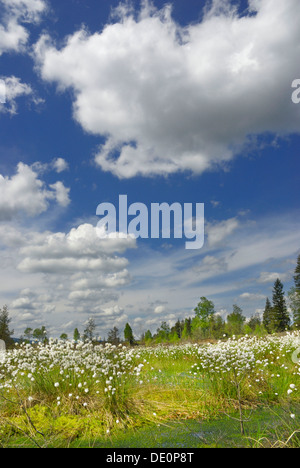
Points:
x=15, y=15
x=217, y=232
x=167, y=98
x=66, y=272
x=13, y=88
x=79, y=250
x=271, y=277
x=60, y=165
x=25, y=192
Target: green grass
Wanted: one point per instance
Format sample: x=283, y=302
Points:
x=172, y=402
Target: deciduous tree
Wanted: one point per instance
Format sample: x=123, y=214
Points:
x=88, y=333
x=204, y=311
x=236, y=320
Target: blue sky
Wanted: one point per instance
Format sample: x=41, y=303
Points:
x=185, y=102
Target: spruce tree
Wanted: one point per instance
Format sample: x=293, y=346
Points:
x=294, y=297
x=128, y=334
x=76, y=335
x=178, y=328
x=297, y=276
x=267, y=316
x=281, y=318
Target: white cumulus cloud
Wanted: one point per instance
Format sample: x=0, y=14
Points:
x=80, y=250
x=60, y=165
x=65, y=272
x=15, y=14
x=25, y=192
x=167, y=98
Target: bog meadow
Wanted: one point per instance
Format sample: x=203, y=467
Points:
x=149, y=224
x=204, y=382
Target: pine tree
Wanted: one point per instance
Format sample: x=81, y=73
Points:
x=281, y=318
x=5, y=332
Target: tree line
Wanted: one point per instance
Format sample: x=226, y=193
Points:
x=280, y=314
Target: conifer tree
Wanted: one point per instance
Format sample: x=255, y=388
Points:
x=297, y=275
x=76, y=335
x=267, y=316
x=294, y=297
x=128, y=334
x=5, y=332
x=280, y=316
